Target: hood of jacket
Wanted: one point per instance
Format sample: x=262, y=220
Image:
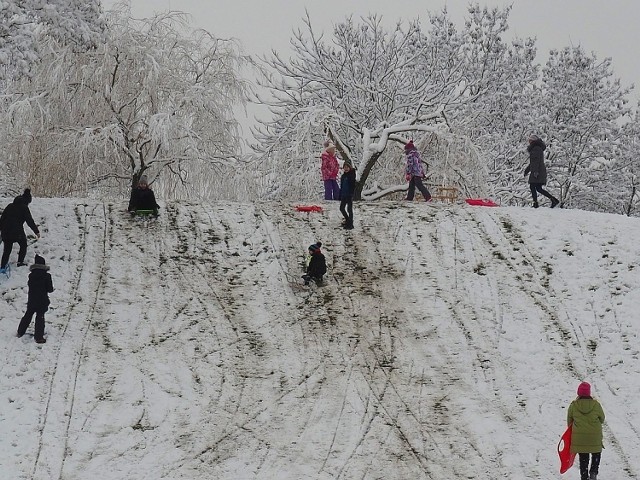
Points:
x=585, y=405
x=537, y=143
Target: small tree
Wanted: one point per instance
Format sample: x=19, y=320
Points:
x=151, y=99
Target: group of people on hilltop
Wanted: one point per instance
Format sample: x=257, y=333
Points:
x=415, y=175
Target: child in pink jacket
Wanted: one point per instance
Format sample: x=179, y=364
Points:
x=330, y=169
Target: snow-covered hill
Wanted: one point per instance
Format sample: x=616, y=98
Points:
x=447, y=343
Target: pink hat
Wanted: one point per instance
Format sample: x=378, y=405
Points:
x=584, y=390
x=409, y=146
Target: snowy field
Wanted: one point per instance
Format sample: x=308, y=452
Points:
x=447, y=343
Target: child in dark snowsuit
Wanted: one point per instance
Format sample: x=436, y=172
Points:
x=347, y=189
x=317, y=266
x=143, y=198
x=40, y=286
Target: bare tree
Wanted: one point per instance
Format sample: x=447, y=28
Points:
x=155, y=97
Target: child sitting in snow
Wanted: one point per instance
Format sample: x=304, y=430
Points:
x=316, y=266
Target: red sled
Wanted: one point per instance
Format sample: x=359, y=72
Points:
x=309, y=208
x=564, y=451
x=481, y=202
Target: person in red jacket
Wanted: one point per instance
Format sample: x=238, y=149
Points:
x=330, y=169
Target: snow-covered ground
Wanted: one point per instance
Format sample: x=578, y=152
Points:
x=447, y=343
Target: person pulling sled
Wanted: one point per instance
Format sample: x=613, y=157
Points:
x=316, y=266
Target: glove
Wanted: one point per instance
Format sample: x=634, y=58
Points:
x=526, y=171
x=407, y=177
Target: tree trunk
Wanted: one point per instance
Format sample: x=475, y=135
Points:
x=357, y=195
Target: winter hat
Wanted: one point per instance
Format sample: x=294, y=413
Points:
x=27, y=195
x=409, y=146
x=143, y=179
x=533, y=138
x=39, y=260
x=584, y=390
x=315, y=247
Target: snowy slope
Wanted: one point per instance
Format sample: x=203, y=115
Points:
x=447, y=343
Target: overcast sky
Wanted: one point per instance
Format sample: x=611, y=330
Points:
x=608, y=28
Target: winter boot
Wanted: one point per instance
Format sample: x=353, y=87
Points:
x=535, y=205
x=427, y=198
x=554, y=202
x=22, y=264
x=41, y=340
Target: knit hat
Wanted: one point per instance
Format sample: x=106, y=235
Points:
x=27, y=195
x=584, y=390
x=409, y=146
x=39, y=260
x=143, y=179
x=315, y=247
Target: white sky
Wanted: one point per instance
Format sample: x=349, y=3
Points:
x=446, y=343
x=608, y=28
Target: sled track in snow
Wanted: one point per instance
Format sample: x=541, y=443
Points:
x=70, y=367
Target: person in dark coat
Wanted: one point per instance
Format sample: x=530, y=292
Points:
x=40, y=286
x=12, y=227
x=347, y=189
x=317, y=265
x=538, y=171
x=142, y=198
x=586, y=415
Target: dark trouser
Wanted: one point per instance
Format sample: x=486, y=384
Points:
x=26, y=320
x=331, y=190
x=346, y=207
x=8, y=247
x=537, y=188
x=584, y=464
x=307, y=278
x=417, y=182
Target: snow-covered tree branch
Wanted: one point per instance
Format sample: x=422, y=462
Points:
x=153, y=98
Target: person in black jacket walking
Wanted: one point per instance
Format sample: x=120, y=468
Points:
x=347, y=189
x=538, y=171
x=40, y=286
x=317, y=265
x=143, y=198
x=12, y=227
